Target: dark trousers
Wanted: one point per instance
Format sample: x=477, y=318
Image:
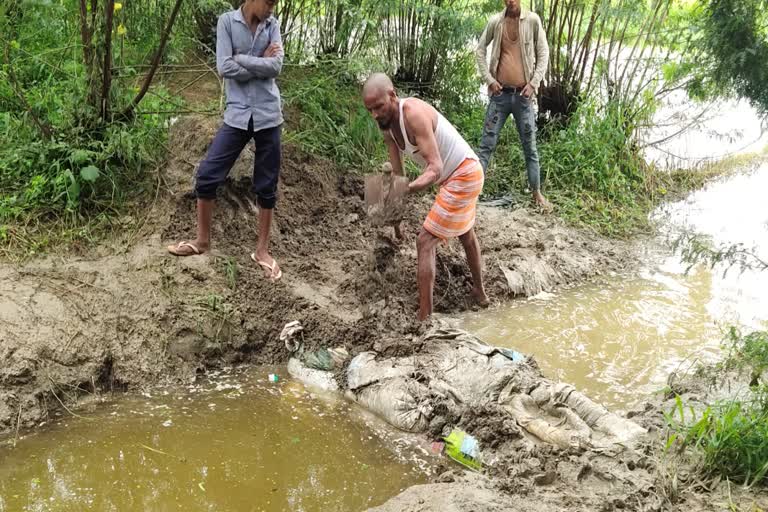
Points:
x=226, y=147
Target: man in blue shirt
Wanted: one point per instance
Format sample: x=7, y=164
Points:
x=249, y=56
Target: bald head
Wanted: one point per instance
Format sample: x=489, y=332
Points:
x=380, y=99
x=378, y=84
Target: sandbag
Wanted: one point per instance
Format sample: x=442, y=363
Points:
x=606, y=427
x=457, y=371
x=477, y=372
x=616, y=428
x=311, y=377
x=402, y=403
x=556, y=426
x=364, y=369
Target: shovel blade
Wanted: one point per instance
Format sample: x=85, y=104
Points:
x=374, y=192
x=384, y=198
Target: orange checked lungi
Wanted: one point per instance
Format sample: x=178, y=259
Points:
x=455, y=207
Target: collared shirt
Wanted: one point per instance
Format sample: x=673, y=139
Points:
x=249, y=77
x=535, y=50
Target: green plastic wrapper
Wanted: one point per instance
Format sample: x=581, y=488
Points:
x=464, y=449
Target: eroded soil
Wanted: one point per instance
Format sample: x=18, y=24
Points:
x=129, y=315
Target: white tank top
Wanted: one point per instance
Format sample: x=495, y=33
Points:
x=451, y=145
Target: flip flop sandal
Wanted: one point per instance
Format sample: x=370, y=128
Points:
x=174, y=249
x=272, y=276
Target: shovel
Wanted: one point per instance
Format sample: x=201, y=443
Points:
x=384, y=196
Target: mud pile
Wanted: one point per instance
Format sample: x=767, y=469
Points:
x=129, y=315
x=542, y=441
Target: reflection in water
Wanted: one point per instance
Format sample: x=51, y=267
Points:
x=230, y=445
x=684, y=134
x=618, y=339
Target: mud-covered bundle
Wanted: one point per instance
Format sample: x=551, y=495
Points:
x=456, y=372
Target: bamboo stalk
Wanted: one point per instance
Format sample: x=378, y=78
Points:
x=156, y=61
x=106, y=70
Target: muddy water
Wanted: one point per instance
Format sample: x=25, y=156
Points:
x=619, y=338
x=235, y=443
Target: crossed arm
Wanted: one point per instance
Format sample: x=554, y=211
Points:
x=246, y=67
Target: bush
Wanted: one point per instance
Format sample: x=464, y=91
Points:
x=747, y=352
x=731, y=439
x=60, y=164
x=326, y=116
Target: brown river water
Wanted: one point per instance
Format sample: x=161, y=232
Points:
x=235, y=443
x=618, y=338
x=240, y=443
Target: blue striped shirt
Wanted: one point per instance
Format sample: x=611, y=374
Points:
x=249, y=77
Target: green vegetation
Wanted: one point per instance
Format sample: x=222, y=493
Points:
x=231, y=271
x=732, y=50
x=695, y=249
x=730, y=437
x=74, y=147
x=747, y=352
x=326, y=117
x=85, y=101
x=217, y=319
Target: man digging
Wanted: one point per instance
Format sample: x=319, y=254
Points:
x=411, y=126
x=249, y=56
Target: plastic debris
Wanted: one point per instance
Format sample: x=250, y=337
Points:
x=288, y=333
x=464, y=449
x=273, y=377
x=325, y=359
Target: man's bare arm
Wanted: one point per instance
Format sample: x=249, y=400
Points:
x=394, y=154
x=419, y=121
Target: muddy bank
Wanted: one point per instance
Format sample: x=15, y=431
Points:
x=544, y=445
x=520, y=475
x=128, y=315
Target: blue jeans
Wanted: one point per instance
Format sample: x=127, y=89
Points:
x=508, y=102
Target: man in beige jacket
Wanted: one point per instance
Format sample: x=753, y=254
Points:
x=519, y=59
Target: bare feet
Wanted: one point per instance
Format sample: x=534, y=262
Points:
x=541, y=201
x=480, y=298
x=188, y=248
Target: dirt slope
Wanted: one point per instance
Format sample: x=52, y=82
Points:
x=129, y=315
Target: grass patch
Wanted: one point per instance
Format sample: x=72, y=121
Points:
x=729, y=439
x=218, y=317
x=230, y=270
x=325, y=114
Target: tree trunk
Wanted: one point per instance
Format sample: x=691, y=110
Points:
x=85, y=35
